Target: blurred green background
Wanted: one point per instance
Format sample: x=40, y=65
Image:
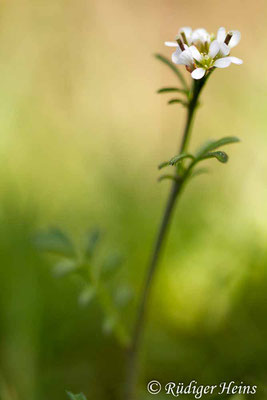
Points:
x=82, y=133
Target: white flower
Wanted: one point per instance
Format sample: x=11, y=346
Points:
x=184, y=57
x=201, y=35
x=200, y=52
x=233, y=40
x=189, y=36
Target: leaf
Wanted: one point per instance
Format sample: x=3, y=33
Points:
x=79, y=396
x=178, y=101
x=92, y=238
x=111, y=264
x=86, y=295
x=109, y=324
x=123, y=295
x=215, y=144
x=164, y=177
x=56, y=242
x=220, y=155
x=176, y=159
x=199, y=171
x=64, y=267
x=173, y=68
x=172, y=89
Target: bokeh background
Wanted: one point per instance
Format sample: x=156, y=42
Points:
x=82, y=133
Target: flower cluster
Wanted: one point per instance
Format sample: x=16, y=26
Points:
x=200, y=51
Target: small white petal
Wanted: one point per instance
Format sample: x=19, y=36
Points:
x=224, y=49
x=195, y=53
x=186, y=58
x=221, y=35
x=171, y=44
x=198, y=73
x=214, y=49
x=176, y=56
x=236, y=60
x=223, y=62
x=201, y=35
x=187, y=30
x=235, y=39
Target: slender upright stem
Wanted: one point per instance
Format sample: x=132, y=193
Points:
x=132, y=367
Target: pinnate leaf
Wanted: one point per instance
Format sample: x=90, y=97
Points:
x=171, y=90
x=173, y=67
x=55, y=241
x=123, y=296
x=178, y=101
x=109, y=324
x=79, y=396
x=64, y=267
x=199, y=171
x=165, y=177
x=176, y=159
x=111, y=264
x=86, y=295
x=215, y=144
x=219, y=155
x=91, y=241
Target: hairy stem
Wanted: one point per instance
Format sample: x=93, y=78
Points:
x=133, y=354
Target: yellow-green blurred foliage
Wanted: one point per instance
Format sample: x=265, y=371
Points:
x=82, y=132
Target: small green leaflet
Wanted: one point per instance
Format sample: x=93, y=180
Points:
x=167, y=177
x=91, y=241
x=220, y=155
x=109, y=324
x=174, y=160
x=111, y=264
x=215, y=144
x=171, y=90
x=55, y=241
x=173, y=68
x=198, y=172
x=86, y=295
x=178, y=101
x=64, y=267
x=79, y=396
x=123, y=295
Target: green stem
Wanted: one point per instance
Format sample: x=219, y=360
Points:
x=195, y=92
x=134, y=350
